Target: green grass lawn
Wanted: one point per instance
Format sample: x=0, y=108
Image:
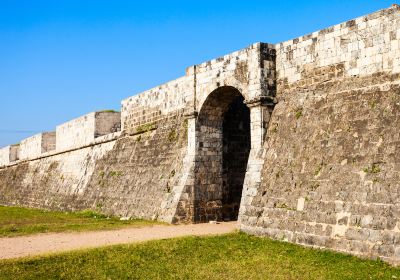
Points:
x=16, y=221
x=232, y=256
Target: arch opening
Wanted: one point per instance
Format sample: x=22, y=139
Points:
x=223, y=147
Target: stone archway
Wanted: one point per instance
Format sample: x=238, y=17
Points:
x=222, y=151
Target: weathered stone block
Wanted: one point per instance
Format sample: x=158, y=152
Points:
x=82, y=131
x=9, y=154
x=33, y=147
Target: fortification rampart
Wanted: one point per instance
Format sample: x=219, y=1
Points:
x=301, y=136
x=329, y=176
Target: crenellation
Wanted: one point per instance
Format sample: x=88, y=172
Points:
x=48, y=142
x=9, y=154
x=75, y=133
x=107, y=122
x=82, y=131
x=5, y=156
x=36, y=145
x=14, y=151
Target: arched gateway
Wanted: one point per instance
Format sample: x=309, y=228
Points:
x=226, y=119
x=222, y=152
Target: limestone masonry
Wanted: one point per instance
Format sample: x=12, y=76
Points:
x=299, y=141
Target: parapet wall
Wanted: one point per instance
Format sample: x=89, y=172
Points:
x=75, y=133
x=9, y=154
x=82, y=131
x=91, y=129
x=5, y=155
x=14, y=152
x=36, y=145
x=48, y=142
x=149, y=107
x=107, y=122
x=361, y=47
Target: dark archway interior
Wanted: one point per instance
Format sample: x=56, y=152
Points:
x=223, y=146
x=236, y=148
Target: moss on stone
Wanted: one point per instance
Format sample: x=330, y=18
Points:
x=299, y=113
x=373, y=169
x=172, y=135
x=146, y=127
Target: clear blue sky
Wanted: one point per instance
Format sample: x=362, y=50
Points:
x=62, y=59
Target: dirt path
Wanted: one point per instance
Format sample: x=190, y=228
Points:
x=16, y=247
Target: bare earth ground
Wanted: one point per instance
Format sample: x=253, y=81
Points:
x=16, y=247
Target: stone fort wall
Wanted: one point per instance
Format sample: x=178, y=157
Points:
x=119, y=175
x=322, y=169
x=330, y=174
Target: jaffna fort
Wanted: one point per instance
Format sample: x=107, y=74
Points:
x=298, y=141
